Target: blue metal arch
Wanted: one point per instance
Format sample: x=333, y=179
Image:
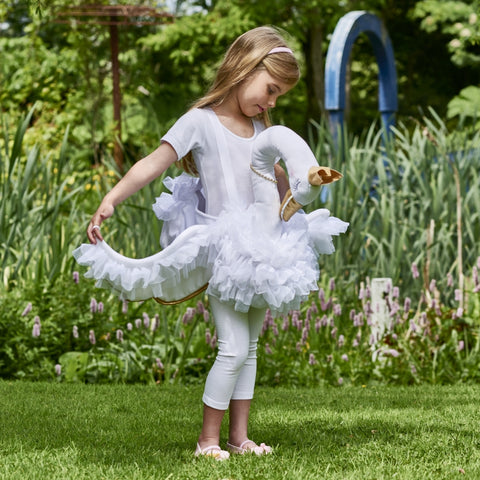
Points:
x=349, y=27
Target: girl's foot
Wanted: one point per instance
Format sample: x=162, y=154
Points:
x=213, y=451
x=248, y=446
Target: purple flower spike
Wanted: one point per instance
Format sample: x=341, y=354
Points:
x=58, y=369
x=159, y=364
x=406, y=305
x=124, y=307
x=129, y=326
x=415, y=273
x=76, y=277
x=312, y=360
x=120, y=335
x=392, y=353
x=461, y=346
x=75, y=331
x=27, y=310
x=332, y=284
x=93, y=305
x=91, y=337
x=449, y=280
x=345, y=357
x=36, y=330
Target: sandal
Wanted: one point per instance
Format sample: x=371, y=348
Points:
x=261, y=449
x=213, y=451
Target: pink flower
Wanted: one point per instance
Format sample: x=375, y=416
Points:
x=58, y=369
x=332, y=284
x=312, y=360
x=206, y=316
x=345, y=357
x=120, y=335
x=268, y=350
x=159, y=364
x=415, y=273
x=458, y=295
x=208, y=336
x=36, y=330
x=36, y=327
x=76, y=277
x=146, y=320
x=124, y=307
x=406, y=305
x=433, y=285
x=138, y=322
x=129, y=326
x=93, y=305
x=27, y=310
x=461, y=346
x=155, y=322
x=340, y=381
x=91, y=337
x=337, y=309
x=200, y=307
x=392, y=352
x=341, y=341
x=449, y=280
x=75, y=331
x=100, y=307
x=395, y=292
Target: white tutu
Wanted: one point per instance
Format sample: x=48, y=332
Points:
x=248, y=256
x=242, y=263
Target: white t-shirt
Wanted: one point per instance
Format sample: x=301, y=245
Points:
x=201, y=132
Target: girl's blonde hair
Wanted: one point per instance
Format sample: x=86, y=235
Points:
x=249, y=52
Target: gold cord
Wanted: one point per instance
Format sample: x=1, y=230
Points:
x=262, y=175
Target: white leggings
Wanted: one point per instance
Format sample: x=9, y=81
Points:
x=232, y=376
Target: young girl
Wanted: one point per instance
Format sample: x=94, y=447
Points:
x=214, y=140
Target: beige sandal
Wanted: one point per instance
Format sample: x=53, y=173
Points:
x=261, y=449
x=213, y=451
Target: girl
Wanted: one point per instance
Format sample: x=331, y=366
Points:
x=214, y=140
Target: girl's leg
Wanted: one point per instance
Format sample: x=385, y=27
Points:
x=243, y=393
x=233, y=335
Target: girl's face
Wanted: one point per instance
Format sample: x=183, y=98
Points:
x=259, y=92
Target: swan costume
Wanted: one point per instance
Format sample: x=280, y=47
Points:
x=229, y=232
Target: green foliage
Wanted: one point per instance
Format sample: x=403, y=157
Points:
x=457, y=19
x=466, y=104
x=393, y=194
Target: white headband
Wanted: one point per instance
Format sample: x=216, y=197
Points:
x=280, y=50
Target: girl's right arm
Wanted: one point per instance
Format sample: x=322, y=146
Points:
x=139, y=175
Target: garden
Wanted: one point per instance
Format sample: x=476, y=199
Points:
x=75, y=358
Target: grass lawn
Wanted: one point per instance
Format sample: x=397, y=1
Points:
x=64, y=431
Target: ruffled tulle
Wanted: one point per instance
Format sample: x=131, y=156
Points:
x=244, y=262
x=172, y=274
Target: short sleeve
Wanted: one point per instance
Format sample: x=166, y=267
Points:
x=187, y=133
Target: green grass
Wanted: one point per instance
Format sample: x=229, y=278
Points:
x=65, y=431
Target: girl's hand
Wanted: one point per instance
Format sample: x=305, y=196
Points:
x=93, y=229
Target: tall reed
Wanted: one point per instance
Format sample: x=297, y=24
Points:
x=410, y=199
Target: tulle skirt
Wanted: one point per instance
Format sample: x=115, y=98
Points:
x=243, y=263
